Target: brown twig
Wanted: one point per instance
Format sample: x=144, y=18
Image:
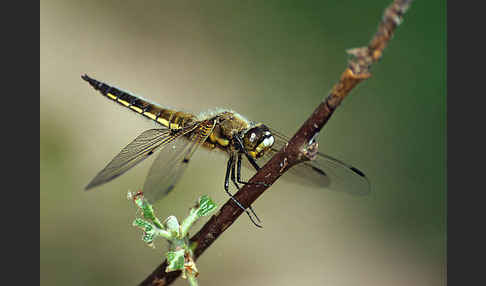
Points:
x=301, y=146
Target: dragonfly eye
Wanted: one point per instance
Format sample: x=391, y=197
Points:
x=257, y=140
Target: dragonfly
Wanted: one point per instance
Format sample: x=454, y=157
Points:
x=246, y=143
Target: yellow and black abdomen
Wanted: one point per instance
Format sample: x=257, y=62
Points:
x=167, y=117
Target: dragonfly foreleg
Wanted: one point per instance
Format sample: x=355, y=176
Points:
x=230, y=170
x=242, y=148
x=238, y=174
x=226, y=177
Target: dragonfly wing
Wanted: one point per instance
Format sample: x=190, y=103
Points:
x=168, y=167
x=323, y=172
x=138, y=150
x=330, y=173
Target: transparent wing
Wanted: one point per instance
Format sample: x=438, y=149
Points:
x=324, y=171
x=139, y=149
x=168, y=167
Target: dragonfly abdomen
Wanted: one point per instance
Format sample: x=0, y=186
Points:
x=167, y=117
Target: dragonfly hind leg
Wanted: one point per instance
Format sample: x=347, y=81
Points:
x=230, y=170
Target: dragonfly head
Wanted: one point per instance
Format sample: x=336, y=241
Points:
x=257, y=140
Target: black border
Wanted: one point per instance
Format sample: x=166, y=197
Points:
x=465, y=144
x=20, y=94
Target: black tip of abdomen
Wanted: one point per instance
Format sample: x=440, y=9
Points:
x=91, y=81
x=100, y=86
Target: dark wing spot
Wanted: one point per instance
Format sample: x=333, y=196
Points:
x=185, y=160
x=357, y=171
x=319, y=170
x=150, y=152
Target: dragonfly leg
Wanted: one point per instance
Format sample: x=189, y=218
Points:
x=243, y=149
x=250, y=159
x=238, y=174
x=230, y=170
x=233, y=179
x=226, y=177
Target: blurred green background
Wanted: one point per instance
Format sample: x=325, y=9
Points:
x=272, y=61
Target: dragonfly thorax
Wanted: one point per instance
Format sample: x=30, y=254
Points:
x=257, y=140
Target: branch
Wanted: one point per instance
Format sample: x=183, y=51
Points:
x=301, y=146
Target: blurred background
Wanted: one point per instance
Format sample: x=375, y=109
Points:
x=272, y=61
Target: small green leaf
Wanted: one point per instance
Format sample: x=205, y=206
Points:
x=206, y=206
x=175, y=260
x=142, y=224
x=148, y=230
